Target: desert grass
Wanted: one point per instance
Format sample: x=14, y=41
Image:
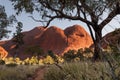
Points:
x=20, y=72
x=79, y=71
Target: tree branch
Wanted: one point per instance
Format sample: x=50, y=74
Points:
x=36, y=19
x=88, y=26
x=102, y=11
x=94, y=18
x=108, y=19
x=63, y=15
x=51, y=19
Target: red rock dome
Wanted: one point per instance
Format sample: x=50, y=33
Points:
x=52, y=38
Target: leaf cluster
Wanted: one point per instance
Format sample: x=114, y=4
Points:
x=5, y=22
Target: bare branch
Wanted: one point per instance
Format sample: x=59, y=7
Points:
x=78, y=8
x=61, y=14
x=102, y=11
x=108, y=19
x=85, y=17
x=50, y=20
x=36, y=19
x=94, y=18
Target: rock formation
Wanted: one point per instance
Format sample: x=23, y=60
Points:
x=52, y=38
x=3, y=53
x=77, y=37
x=111, y=38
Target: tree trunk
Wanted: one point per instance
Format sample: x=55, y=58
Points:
x=97, y=44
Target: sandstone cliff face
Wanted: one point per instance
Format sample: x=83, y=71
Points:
x=3, y=53
x=77, y=37
x=52, y=38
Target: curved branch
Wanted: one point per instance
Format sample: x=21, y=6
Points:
x=94, y=18
x=36, y=19
x=90, y=29
x=63, y=15
x=108, y=19
x=49, y=21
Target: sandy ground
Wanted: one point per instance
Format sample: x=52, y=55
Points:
x=39, y=74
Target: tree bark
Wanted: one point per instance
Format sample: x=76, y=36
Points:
x=97, y=44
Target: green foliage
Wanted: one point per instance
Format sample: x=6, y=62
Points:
x=113, y=52
x=18, y=36
x=2, y=62
x=116, y=31
x=12, y=60
x=81, y=54
x=35, y=50
x=50, y=53
x=5, y=22
x=48, y=60
x=31, y=6
x=26, y=4
x=31, y=61
x=70, y=55
x=11, y=65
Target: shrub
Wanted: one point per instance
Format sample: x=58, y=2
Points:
x=116, y=31
x=33, y=60
x=54, y=57
x=34, y=50
x=2, y=62
x=70, y=55
x=48, y=60
x=11, y=65
x=80, y=55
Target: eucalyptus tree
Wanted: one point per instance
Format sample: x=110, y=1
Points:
x=18, y=36
x=95, y=13
x=5, y=22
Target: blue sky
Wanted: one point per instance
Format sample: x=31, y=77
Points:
x=29, y=24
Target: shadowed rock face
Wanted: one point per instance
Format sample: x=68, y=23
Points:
x=52, y=38
x=111, y=38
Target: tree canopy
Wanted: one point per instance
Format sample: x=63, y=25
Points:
x=18, y=36
x=70, y=9
x=5, y=22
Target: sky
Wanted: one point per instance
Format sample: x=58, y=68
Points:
x=29, y=23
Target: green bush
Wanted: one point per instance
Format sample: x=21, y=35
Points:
x=34, y=50
x=11, y=65
x=116, y=31
x=2, y=62
x=70, y=55
x=83, y=55
x=31, y=61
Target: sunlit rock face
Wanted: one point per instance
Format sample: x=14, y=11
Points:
x=3, y=53
x=77, y=37
x=52, y=38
